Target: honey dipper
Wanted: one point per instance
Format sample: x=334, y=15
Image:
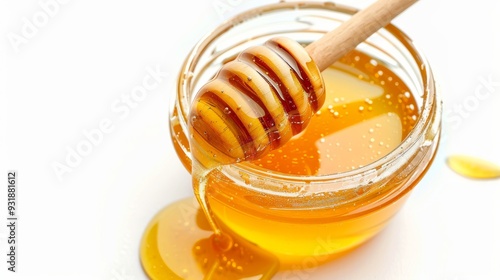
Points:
x=258, y=101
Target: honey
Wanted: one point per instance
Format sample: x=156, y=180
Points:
x=367, y=113
x=178, y=244
x=277, y=208
x=332, y=143
x=473, y=167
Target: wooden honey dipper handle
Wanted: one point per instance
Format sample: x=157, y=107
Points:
x=336, y=43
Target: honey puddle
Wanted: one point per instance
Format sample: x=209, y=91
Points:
x=473, y=167
x=179, y=245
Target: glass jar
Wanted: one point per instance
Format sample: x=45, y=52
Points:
x=316, y=216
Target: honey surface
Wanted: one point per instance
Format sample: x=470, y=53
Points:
x=363, y=119
x=367, y=112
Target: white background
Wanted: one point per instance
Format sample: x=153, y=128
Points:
x=65, y=77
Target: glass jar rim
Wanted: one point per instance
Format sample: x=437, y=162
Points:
x=423, y=121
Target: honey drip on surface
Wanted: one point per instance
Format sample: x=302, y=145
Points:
x=178, y=244
x=473, y=167
x=366, y=114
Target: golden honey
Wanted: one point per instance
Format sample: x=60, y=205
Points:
x=473, y=167
x=179, y=244
x=324, y=192
x=367, y=113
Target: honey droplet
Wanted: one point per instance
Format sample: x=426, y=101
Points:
x=473, y=167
